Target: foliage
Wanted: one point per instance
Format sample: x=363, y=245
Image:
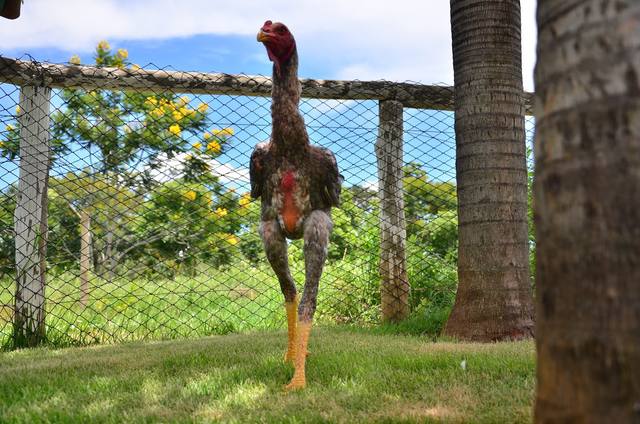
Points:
x=530, y=220
x=7, y=206
x=125, y=126
x=120, y=131
x=425, y=199
x=188, y=222
x=355, y=224
x=148, y=227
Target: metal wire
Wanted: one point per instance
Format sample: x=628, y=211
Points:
x=152, y=233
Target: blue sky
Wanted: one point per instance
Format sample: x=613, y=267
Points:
x=404, y=40
x=352, y=39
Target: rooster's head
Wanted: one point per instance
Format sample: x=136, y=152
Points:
x=279, y=42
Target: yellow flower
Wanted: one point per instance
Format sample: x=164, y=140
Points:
x=1, y=144
x=158, y=112
x=123, y=53
x=151, y=101
x=221, y=212
x=245, y=200
x=186, y=111
x=135, y=67
x=197, y=146
x=104, y=45
x=175, y=130
x=232, y=239
x=75, y=60
x=225, y=132
x=190, y=195
x=10, y=127
x=213, y=147
x=182, y=101
x=203, y=107
x=18, y=110
x=207, y=135
x=177, y=115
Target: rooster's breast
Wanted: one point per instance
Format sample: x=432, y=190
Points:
x=290, y=199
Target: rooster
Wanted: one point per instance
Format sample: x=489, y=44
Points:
x=298, y=184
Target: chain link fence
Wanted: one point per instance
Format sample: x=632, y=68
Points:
x=152, y=232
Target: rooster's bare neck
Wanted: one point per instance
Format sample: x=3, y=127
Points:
x=288, y=133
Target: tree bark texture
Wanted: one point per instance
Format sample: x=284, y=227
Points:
x=494, y=299
x=30, y=217
x=395, y=287
x=587, y=211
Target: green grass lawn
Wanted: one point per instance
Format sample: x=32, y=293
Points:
x=352, y=376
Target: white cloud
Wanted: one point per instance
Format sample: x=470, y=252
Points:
x=228, y=173
x=421, y=71
x=322, y=107
x=370, y=185
x=171, y=169
x=370, y=39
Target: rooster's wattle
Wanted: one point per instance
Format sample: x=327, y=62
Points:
x=298, y=184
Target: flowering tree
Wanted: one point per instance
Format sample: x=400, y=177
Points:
x=124, y=130
x=118, y=132
x=196, y=222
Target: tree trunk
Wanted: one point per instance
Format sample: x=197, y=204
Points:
x=30, y=217
x=494, y=300
x=395, y=287
x=85, y=256
x=587, y=197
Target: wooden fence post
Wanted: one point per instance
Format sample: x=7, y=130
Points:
x=395, y=287
x=85, y=255
x=30, y=217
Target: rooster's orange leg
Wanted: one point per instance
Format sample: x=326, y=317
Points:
x=292, y=319
x=275, y=247
x=317, y=228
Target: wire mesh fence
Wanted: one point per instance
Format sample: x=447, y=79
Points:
x=151, y=229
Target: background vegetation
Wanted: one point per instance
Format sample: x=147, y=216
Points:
x=175, y=251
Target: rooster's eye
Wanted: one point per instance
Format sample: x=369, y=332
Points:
x=282, y=30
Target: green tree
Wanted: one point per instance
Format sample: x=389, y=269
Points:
x=355, y=225
x=186, y=223
x=123, y=129
x=427, y=200
x=117, y=132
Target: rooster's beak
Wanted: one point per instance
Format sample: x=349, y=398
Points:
x=262, y=36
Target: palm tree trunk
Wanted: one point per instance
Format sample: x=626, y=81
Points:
x=587, y=197
x=494, y=299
